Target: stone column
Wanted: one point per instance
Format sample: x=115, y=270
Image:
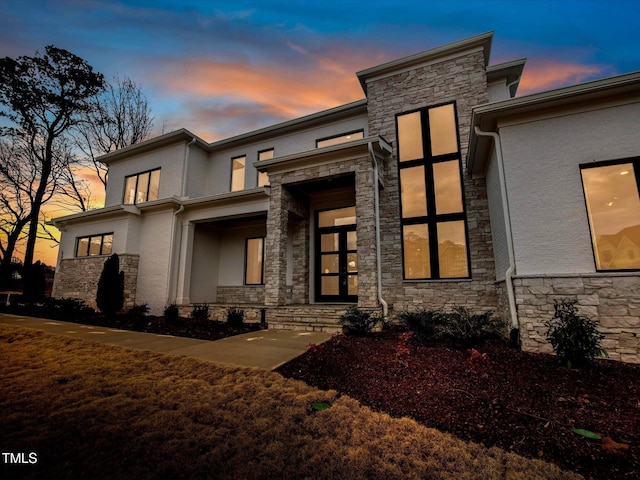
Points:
x=366, y=228
x=276, y=246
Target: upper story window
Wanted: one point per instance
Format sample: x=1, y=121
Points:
x=342, y=138
x=263, y=177
x=612, y=194
x=237, y=173
x=434, y=230
x=142, y=187
x=94, y=245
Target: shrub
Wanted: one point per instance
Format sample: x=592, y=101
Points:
x=423, y=322
x=138, y=313
x=235, y=317
x=460, y=327
x=357, y=322
x=110, y=295
x=171, y=313
x=200, y=313
x=574, y=338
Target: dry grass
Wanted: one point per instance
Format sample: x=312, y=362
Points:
x=96, y=411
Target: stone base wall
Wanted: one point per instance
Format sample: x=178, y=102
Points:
x=78, y=278
x=240, y=294
x=613, y=300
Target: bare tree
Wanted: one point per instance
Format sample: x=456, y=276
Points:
x=44, y=97
x=120, y=117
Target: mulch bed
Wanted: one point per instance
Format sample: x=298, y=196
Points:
x=498, y=396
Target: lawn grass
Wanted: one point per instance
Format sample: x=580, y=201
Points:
x=97, y=411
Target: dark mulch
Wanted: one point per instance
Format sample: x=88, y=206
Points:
x=521, y=402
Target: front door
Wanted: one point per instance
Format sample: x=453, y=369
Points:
x=337, y=257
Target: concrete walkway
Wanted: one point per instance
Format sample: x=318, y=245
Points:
x=266, y=349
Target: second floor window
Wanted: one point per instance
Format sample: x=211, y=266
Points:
x=142, y=187
x=237, y=173
x=343, y=138
x=263, y=177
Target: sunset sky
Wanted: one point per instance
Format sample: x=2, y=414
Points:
x=220, y=68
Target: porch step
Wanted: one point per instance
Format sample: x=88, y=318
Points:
x=308, y=318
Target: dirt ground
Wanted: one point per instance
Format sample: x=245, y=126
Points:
x=498, y=396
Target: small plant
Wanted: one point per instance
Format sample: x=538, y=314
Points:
x=423, y=322
x=200, y=313
x=477, y=361
x=171, y=313
x=575, y=338
x=235, y=317
x=402, y=349
x=460, y=327
x=357, y=322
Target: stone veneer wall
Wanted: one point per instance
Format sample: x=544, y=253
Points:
x=613, y=300
x=78, y=278
x=461, y=79
x=240, y=294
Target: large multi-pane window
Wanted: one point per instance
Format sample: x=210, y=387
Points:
x=237, y=173
x=263, y=177
x=94, y=245
x=342, y=138
x=612, y=194
x=254, y=262
x=434, y=232
x=142, y=187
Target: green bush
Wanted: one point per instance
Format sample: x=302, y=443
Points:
x=171, y=313
x=575, y=338
x=423, y=322
x=235, y=317
x=200, y=313
x=357, y=322
x=138, y=313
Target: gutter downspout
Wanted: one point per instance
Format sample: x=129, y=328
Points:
x=376, y=196
x=507, y=226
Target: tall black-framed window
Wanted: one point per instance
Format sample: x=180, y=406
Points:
x=142, y=187
x=434, y=226
x=254, y=261
x=612, y=196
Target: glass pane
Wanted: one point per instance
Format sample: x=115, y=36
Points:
x=353, y=285
x=452, y=250
x=83, y=247
x=94, y=245
x=107, y=244
x=446, y=179
x=330, y=263
x=329, y=286
x=352, y=241
x=352, y=262
x=143, y=187
x=254, y=261
x=417, y=263
x=442, y=125
x=613, y=206
x=237, y=174
x=341, y=139
x=329, y=242
x=410, y=137
x=413, y=192
x=334, y=218
x=154, y=185
x=130, y=190
x=265, y=155
x=263, y=177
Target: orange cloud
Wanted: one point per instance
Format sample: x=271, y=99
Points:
x=548, y=75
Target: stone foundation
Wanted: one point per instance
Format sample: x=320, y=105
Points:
x=78, y=278
x=613, y=300
x=240, y=294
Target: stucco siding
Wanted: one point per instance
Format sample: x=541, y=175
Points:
x=206, y=252
x=496, y=215
x=542, y=158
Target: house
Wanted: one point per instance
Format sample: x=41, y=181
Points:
x=439, y=188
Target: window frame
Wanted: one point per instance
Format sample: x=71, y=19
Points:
x=635, y=163
x=89, y=239
x=135, y=193
x=262, y=176
x=333, y=137
x=246, y=260
x=432, y=219
x=244, y=173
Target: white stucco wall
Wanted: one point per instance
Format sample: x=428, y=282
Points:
x=542, y=157
x=232, y=252
x=496, y=216
x=169, y=159
x=204, y=273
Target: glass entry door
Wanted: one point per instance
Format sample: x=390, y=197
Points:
x=337, y=256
